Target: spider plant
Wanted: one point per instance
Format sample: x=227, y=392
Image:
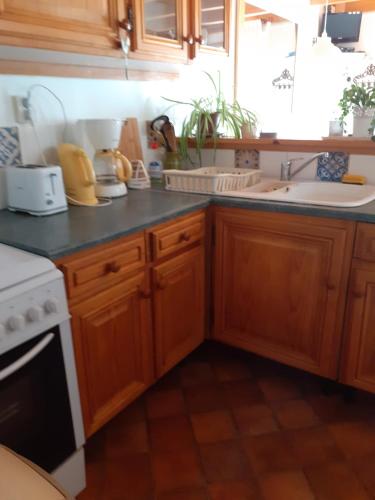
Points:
x=207, y=116
x=247, y=120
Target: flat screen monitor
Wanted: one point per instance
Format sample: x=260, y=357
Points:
x=344, y=27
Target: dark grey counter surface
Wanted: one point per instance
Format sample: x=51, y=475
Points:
x=57, y=235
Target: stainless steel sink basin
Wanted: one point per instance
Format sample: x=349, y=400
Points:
x=334, y=194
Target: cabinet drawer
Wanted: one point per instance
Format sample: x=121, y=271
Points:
x=177, y=235
x=365, y=242
x=101, y=267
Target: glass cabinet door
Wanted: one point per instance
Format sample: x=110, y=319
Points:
x=212, y=25
x=160, y=29
x=160, y=18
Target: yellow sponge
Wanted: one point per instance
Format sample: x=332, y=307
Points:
x=353, y=179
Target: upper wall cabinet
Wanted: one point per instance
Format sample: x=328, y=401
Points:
x=67, y=25
x=178, y=30
x=159, y=29
x=211, y=22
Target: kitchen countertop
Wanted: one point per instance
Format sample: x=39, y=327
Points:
x=81, y=227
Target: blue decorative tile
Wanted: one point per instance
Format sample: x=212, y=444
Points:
x=332, y=167
x=248, y=158
x=10, y=147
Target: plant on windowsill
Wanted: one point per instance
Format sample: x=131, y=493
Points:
x=247, y=121
x=360, y=101
x=208, y=115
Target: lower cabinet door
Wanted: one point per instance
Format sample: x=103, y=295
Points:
x=112, y=339
x=279, y=286
x=358, y=360
x=178, y=308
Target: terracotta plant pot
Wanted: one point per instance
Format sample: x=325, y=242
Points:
x=215, y=122
x=247, y=132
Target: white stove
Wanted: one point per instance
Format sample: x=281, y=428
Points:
x=40, y=413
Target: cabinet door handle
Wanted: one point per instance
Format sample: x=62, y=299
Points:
x=145, y=294
x=113, y=267
x=189, y=39
x=199, y=39
x=185, y=236
x=162, y=284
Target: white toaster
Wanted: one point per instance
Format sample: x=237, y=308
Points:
x=35, y=189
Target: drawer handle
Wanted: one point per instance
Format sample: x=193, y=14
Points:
x=145, y=294
x=185, y=236
x=113, y=267
x=162, y=284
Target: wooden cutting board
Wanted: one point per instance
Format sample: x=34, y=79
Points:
x=130, y=141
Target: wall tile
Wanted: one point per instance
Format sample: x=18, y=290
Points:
x=333, y=166
x=248, y=158
x=10, y=148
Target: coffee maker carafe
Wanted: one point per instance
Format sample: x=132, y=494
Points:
x=112, y=168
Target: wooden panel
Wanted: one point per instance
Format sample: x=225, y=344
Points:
x=350, y=146
x=179, y=313
x=348, y=5
x=280, y=284
x=101, y=266
x=153, y=47
x=358, y=361
x=12, y=67
x=89, y=27
x=172, y=237
x=130, y=141
x=112, y=342
x=365, y=242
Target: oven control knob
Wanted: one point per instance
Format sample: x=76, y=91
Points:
x=51, y=306
x=2, y=332
x=15, y=323
x=34, y=314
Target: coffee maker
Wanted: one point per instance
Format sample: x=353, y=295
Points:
x=112, y=168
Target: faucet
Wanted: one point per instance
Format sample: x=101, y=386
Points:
x=286, y=173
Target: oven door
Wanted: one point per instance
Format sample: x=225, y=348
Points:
x=35, y=413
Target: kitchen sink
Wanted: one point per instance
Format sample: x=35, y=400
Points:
x=334, y=194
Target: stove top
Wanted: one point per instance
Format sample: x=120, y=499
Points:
x=17, y=266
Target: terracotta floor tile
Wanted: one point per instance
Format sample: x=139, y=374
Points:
x=228, y=370
x=170, y=380
x=335, y=481
x=171, y=433
x=270, y=452
x=286, y=485
x=224, y=461
x=195, y=494
x=334, y=408
x=129, y=477
x=202, y=398
x=241, y=393
x=233, y=490
x=355, y=439
x=365, y=469
x=131, y=437
x=176, y=470
x=314, y=446
x=279, y=389
x=213, y=426
x=255, y=420
x=194, y=373
x=95, y=478
x=165, y=403
x=296, y=414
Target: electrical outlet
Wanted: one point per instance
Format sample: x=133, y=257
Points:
x=21, y=109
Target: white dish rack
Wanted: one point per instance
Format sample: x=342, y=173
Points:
x=211, y=180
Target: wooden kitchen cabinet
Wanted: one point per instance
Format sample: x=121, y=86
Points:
x=178, y=30
x=67, y=25
x=211, y=27
x=280, y=286
x=358, y=357
x=113, y=348
x=179, y=307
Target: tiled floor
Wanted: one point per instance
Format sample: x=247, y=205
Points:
x=226, y=425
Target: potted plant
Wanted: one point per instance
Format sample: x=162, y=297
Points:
x=246, y=119
x=360, y=101
x=207, y=116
